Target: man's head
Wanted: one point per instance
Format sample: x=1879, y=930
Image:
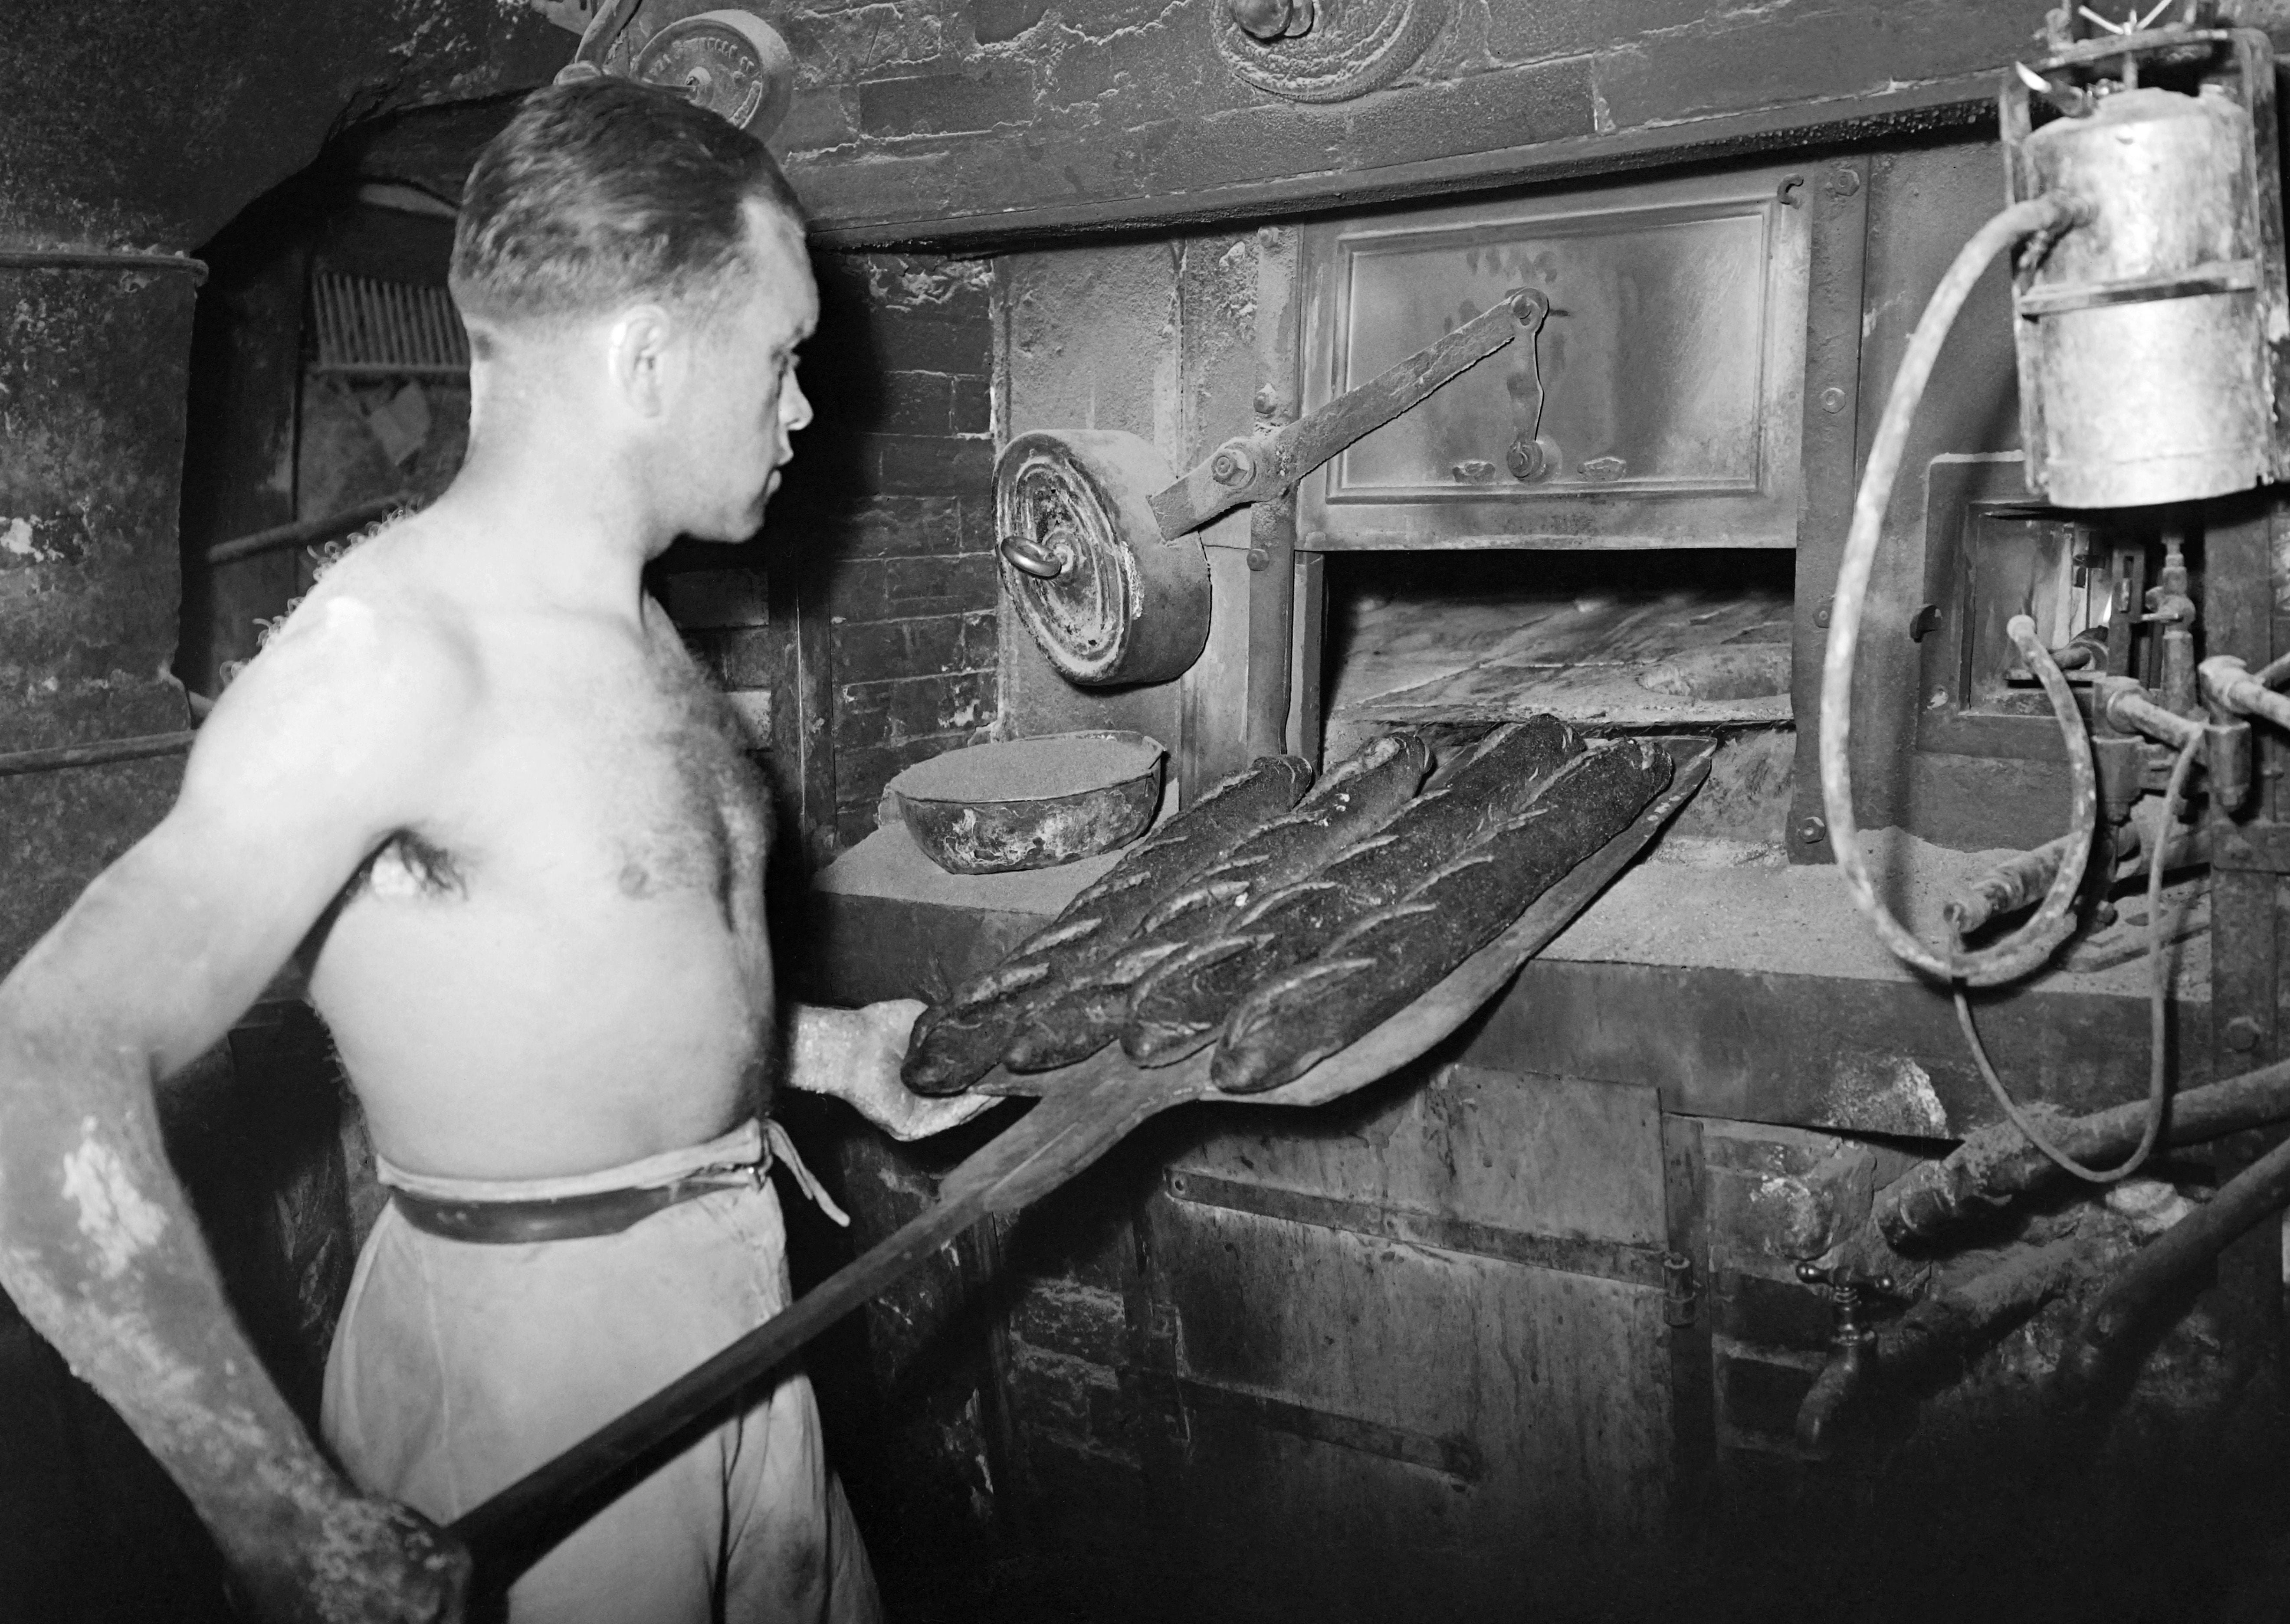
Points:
x=656, y=252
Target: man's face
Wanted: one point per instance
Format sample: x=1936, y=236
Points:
x=744, y=403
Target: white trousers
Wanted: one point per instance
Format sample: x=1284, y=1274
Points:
x=459, y=1366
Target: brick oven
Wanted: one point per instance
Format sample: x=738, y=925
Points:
x=1544, y=1316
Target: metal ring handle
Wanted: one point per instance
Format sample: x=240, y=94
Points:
x=1031, y=557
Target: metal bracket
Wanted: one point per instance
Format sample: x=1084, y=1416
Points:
x=1256, y=468
x=1679, y=1290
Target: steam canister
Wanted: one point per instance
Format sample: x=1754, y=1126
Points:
x=2143, y=364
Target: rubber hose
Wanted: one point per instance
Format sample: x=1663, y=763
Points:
x=2158, y=996
x=2028, y=947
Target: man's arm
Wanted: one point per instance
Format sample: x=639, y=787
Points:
x=855, y=1055
x=321, y=749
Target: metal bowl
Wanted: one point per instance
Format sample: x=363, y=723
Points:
x=1061, y=797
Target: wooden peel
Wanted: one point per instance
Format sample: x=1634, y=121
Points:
x=1084, y=1111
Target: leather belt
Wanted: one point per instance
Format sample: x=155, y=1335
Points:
x=558, y=1217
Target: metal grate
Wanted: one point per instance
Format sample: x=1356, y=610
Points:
x=369, y=329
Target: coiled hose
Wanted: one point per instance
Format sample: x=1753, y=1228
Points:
x=2025, y=949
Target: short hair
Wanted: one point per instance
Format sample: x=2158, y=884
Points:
x=603, y=192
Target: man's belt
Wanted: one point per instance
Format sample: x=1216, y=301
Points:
x=557, y=1218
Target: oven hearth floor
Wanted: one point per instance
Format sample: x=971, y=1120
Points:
x=1690, y=658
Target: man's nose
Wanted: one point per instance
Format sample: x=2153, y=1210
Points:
x=795, y=406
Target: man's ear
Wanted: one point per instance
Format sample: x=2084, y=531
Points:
x=644, y=359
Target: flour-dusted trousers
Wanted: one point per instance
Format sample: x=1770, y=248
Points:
x=459, y=1366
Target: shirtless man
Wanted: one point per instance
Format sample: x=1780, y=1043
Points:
x=477, y=783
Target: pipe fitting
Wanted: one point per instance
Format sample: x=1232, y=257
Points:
x=2228, y=684
x=2125, y=705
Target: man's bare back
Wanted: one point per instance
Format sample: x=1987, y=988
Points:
x=561, y=964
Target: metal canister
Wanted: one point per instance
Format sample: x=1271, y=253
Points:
x=2143, y=364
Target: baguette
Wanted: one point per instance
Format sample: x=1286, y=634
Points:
x=958, y=1041
x=1387, y=961
x=1087, y=1006
x=1178, y=1003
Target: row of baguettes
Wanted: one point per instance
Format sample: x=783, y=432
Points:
x=1284, y=925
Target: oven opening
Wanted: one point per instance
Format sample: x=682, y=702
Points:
x=1619, y=642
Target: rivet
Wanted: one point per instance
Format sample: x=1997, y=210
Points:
x=1937, y=699
x=1259, y=559
x=1832, y=400
x=1821, y=616
x=1268, y=401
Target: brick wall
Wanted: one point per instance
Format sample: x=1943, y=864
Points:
x=917, y=118
x=883, y=530
x=890, y=502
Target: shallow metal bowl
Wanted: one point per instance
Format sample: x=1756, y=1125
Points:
x=1102, y=797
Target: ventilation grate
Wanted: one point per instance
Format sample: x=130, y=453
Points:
x=369, y=329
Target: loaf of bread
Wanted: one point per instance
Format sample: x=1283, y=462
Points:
x=1298, y=1018
x=957, y=1041
x=1086, y=1006
x=1179, y=1002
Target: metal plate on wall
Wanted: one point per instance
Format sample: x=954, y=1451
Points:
x=1660, y=406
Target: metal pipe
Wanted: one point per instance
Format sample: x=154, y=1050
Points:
x=2016, y=883
x=2174, y=611
x=1938, y=1335
x=1271, y=622
x=2126, y=705
x=2255, y=1194
x=306, y=533
x=2227, y=682
x=1272, y=520
x=96, y=754
x=101, y=259
x=1992, y=1166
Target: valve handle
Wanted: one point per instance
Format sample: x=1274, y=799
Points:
x=1031, y=557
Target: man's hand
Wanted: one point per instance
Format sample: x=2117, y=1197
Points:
x=855, y=1055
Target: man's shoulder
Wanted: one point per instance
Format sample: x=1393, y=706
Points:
x=368, y=665
x=373, y=603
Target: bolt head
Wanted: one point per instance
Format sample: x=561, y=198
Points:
x=1527, y=459
x=1224, y=467
x=1832, y=400
x=1268, y=401
x=2241, y=1035
x=1844, y=182
x=1937, y=699
x=1263, y=19
x=1813, y=831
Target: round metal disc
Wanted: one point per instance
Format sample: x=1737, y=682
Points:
x=1124, y=605
x=734, y=65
